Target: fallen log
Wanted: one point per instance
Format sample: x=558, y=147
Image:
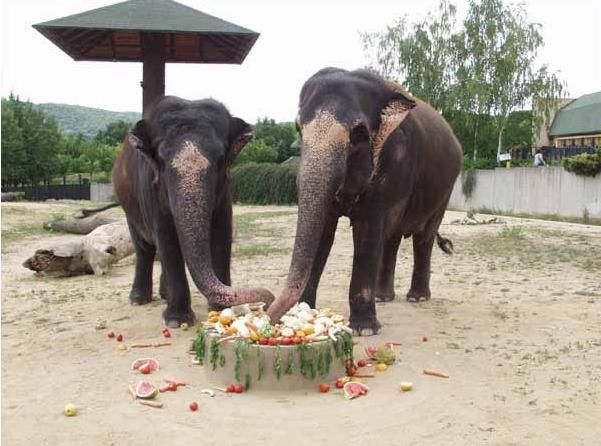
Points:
x=91, y=254
x=78, y=225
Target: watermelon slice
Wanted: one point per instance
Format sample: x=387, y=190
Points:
x=353, y=389
x=145, y=390
x=153, y=364
x=370, y=350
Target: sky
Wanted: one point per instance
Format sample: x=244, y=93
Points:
x=298, y=37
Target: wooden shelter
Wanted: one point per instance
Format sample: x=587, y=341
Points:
x=153, y=32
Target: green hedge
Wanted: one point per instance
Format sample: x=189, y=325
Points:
x=586, y=164
x=264, y=183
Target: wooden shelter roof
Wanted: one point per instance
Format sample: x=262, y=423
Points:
x=114, y=33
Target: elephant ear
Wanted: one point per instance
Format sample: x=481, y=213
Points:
x=393, y=114
x=138, y=137
x=240, y=134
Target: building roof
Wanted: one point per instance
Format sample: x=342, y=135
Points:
x=113, y=33
x=579, y=117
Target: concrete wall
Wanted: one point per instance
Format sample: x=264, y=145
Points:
x=101, y=192
x=543, y=190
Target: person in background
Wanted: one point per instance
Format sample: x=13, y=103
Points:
x=539, y=161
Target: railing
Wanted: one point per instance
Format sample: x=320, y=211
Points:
x=53, y=191
x=550, y=153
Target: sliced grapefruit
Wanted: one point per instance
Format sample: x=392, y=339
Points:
x=370, y=350
x=353, y=389
x=145, y=390
x=153, y=364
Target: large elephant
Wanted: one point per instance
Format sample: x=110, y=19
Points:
x=171, y=177
x=385, y=160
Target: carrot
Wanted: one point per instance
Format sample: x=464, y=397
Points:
x=393, y=343
x=177, y=383
x=161, y=344
x=131, y=391
x=225, y=339
x=435, y=373
x=221, y=389
x=154, y=404
x=364, y=375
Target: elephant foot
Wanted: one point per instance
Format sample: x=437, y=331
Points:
x=138, y=298
x=174, y=318
x=363, y=320
x=418, y=295
x=384, y=297
x=365, y=327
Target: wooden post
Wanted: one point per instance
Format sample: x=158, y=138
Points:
x=153, y=70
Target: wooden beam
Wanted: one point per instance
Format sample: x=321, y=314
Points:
x=153, y=70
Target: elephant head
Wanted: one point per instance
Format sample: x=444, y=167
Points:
x=345, y=119
x=190, y=146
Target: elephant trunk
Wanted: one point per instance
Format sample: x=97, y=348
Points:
x=320, y=175
x=192, y=209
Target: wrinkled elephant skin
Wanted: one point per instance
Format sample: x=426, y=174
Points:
x=387, y=161
x=171, y=178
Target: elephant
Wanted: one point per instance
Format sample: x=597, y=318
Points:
x=387, y=161
x=172, y=179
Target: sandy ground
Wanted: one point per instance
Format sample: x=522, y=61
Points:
x=514, y=320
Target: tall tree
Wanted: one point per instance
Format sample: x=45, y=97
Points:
x=498, y=51
x=422, y=54
x=13, y=150
x=488, y=69
x=114, y=133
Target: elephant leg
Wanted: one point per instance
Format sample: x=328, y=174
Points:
x=163, y=286
x=368, y=244
x=221, y=243
x=325, y=245
x=385, y=281
x=179, y=308
x=423, y=242
x=141, y=290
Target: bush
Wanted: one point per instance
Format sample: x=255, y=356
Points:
x=485, y=163
x=264, y=183
x=585, y=164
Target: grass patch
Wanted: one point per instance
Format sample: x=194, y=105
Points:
x=585, y=219
x=22, y=231
x=256, y=234
x=537, y=249
x=249, y=225
x=257, y=250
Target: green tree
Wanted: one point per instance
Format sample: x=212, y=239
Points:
x=113, y=134
x=13, y=150
x=279, y=136
x=498, y=51
x=257, y=151
x=41, y=140
x=478, y=76
x=423, y=54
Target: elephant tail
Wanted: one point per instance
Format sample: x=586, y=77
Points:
x=83, y=213
x=445, y=244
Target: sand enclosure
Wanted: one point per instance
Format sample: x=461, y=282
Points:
x=515, y=320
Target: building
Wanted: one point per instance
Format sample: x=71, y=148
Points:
x=578, y=123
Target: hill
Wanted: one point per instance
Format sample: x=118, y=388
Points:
x=86, y=120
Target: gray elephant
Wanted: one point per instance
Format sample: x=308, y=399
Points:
x=385, y=160
x=171, y=177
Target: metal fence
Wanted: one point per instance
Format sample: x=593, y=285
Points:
x=557, y=153
x=550, y=153
x=53, y=191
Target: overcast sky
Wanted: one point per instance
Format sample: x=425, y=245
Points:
x=298, y=37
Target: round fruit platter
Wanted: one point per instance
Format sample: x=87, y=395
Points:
x=241, y=346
